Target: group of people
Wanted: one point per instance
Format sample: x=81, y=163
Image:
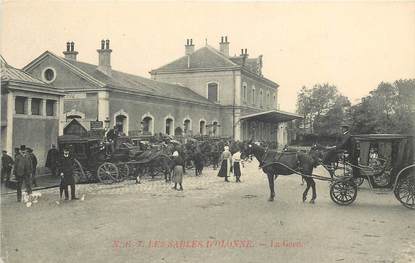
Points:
x=24, y=168
x=230, y=163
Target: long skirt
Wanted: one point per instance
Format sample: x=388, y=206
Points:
x=178, y=174
x=236, y=169
x=224, y=169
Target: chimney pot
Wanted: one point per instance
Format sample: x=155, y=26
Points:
x=70, y=52
x=104, y=57
x=246, y=51
x=72, y=46
x=189, y=48
x=221, y=40
x=226, y=39
x=68, y=46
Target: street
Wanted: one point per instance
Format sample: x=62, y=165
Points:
x=210, y=221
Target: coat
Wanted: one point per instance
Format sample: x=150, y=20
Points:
x=22, y=165
x=6, y=161
x=52, y=159
x=67, y=168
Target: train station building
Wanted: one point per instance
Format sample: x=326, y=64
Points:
x=204, y=92
x=30, y=110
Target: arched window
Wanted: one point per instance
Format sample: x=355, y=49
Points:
x=187, y=126
x=261, y=98
x=253, y=96
x=121, y=123
x=202, y=127
x=268, y=102
x=215, y=127
x=147, y=125
x=169, y=126
x=213, y=92
x=244, y=92
x=275, y=101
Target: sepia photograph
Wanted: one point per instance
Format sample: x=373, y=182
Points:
x=207, y=131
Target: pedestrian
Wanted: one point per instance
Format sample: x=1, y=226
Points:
x=225, y=160
x=52, y=160
x=178, y=171
x=34, y=166
x=66, y=173
x=236, y=164
x=23, y=170
x=6, y=167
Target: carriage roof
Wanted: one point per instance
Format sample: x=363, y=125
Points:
x=374, y=137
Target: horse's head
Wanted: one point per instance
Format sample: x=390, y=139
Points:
x=246, y=149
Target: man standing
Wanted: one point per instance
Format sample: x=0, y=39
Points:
x=34, y=165
x=52, y=160
x=6, y=167
x=66, y=173
x=23, y=169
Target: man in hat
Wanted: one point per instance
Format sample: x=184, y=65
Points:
x=345, y=138
x=66, y=173
x=34, y=165
x=6, y=166
x=23, y=170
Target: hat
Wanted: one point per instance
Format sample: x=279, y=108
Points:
x=22, y=147
x=176, y=153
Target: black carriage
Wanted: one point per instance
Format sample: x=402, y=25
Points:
x=386, y=161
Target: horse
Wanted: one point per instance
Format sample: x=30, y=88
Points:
x=275, y=163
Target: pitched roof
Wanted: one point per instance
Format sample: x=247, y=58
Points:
x=134, y=83
x=203, y=58
x=9, y=73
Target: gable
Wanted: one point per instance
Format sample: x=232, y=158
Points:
x=202, y=58
x=65, y=77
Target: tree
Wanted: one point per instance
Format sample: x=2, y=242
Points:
x=388, y=109
x=323, y=108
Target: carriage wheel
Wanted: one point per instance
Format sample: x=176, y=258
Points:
x=79, y=173
x=107, y=173
x=405, y=189
x=343, y=192
x=123, y=172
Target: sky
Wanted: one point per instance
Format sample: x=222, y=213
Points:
x=353, y=45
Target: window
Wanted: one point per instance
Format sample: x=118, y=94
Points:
x=36, y=106
x=120, y=123
x=169, y=126
x=244, y=90
x=50, y=107
x=202, y=127
x=20, y=105
x=49, y=75
x=275, y=101
x=253, y=96
x=215, y=126
x=213, y=92
x=268, y=102
x=186, y=126
x=147, y=125
x=261, y=98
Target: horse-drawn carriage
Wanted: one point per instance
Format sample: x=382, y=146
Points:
x=386, y=161
x=109, y=162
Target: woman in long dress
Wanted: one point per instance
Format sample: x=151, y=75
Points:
x=225, y=159
x=177, y=171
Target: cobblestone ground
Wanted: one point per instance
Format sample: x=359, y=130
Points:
x=210, y=221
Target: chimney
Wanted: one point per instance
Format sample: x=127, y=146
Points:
x=104, y=57
x=189, y=48
x=224, y=46
x=244, y=55
x=259, y=65
x=70, y=52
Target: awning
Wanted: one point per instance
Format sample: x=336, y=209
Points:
x=273, y=116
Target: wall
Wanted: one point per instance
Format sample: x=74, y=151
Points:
x=198, y=81
x=35, y=133
x=136, y=106
x=64, y=77
x=253, y=82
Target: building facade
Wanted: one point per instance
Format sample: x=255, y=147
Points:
x=205, y=92
x=236, y=83
x=30, y=110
